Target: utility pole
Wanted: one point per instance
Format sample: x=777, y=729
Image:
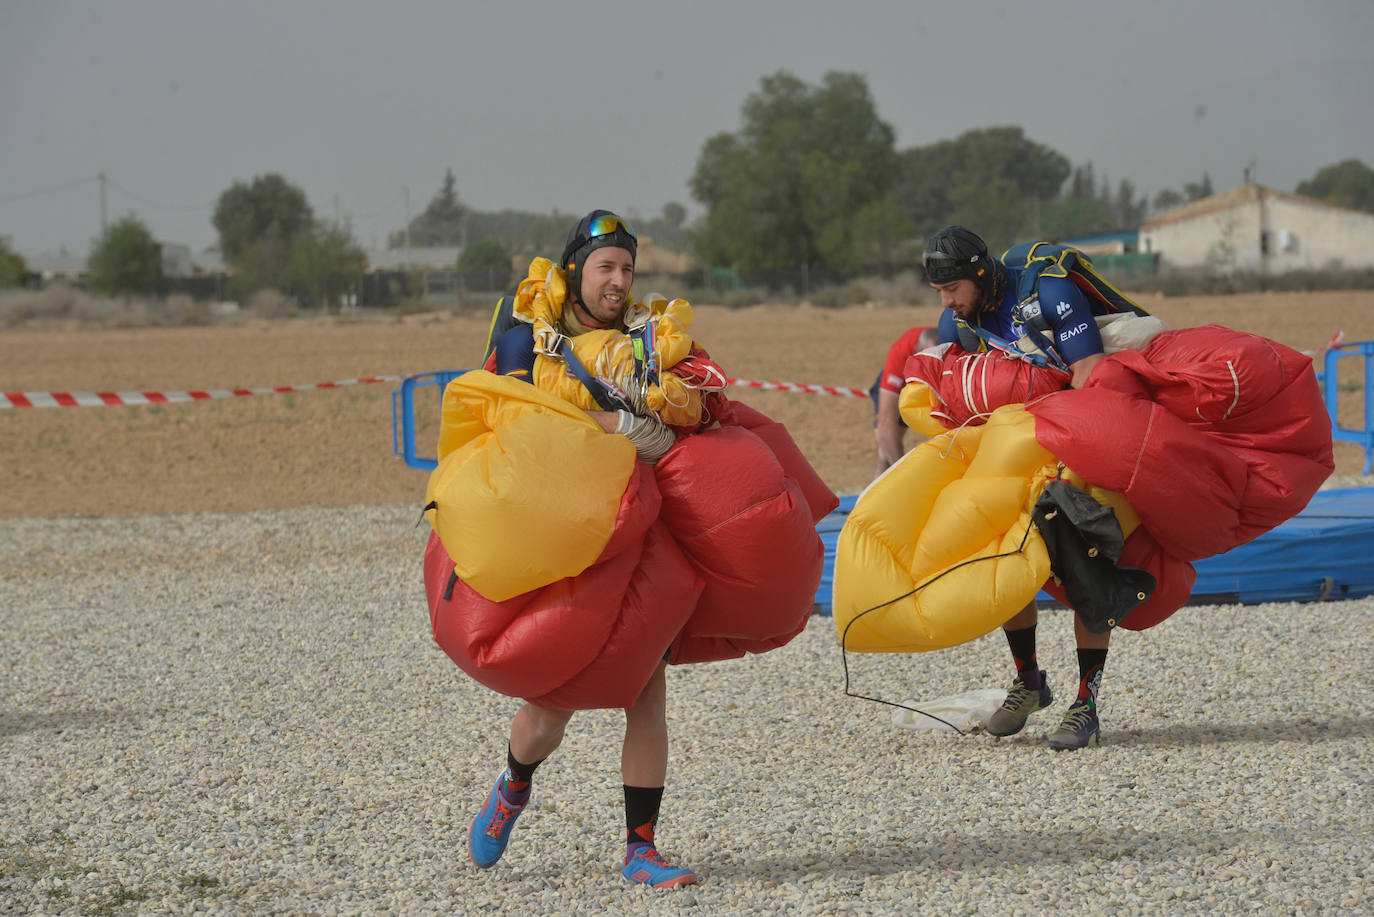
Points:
x=102, y=206
x=407, y=201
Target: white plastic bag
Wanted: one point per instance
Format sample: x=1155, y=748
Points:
x=968, y=712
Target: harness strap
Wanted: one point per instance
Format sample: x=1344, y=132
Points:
x=1050, y=358
x=643, y=340
x=1039, y=339
x=600, y=392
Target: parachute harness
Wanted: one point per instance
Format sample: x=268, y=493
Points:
x=1047, y=358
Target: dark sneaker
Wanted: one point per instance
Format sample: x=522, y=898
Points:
x=1079, y=728
x=647, y=867
x=491, y=828
x=1021, y=702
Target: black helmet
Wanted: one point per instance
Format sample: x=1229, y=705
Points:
x=956, y=253
x=598, y=229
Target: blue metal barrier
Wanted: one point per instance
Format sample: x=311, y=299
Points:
x=1331, y=388
x=403, y=413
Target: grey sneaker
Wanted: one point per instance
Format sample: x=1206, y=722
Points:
x=1079, y=728
x=1021, y=702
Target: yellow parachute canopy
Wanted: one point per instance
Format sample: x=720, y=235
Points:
x=941, y=548
x=528, y=486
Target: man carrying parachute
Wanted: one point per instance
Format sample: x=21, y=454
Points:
x=601, y=510
x=1077, y=445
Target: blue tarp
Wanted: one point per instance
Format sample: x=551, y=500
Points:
x=1324, y=552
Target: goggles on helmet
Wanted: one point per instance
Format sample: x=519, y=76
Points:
x=604, y=229
x=606, y=224
x=942, y=268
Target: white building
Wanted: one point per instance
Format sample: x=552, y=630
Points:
x=176, y=260
x=60, y=266
x=1259, y=229
x=431, y=258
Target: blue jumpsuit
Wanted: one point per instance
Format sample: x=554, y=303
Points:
x=1067, y=311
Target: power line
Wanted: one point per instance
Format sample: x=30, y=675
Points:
x=183, y=208
x=9, y=198
x=145, y=201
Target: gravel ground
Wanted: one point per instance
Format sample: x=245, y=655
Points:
x=246, y=714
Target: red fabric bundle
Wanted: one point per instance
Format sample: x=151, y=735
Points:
x=715, y=554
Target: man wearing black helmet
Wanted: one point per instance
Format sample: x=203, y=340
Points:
x=982, y=312
x=599, y=257
x=599, y=261
x=980, y=296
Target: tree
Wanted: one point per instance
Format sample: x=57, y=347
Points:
x=993, y=180
x=887, y=241
x=528, y=233
x=667, y=230
x=1196, y=191
x=127, y=261
x=13, y=268
x=1073, y=217
x=1349, y=183
x=490, y=257
x=674, y=214
x=1090, y=207
x=1130, y=210
x=257, y=225
x=443, y=221
x=1168, y=199
x=324, y=265
x=787, y=188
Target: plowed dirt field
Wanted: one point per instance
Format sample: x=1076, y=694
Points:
x=334, y=447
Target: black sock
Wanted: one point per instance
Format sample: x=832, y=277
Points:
x=1090, y=663
x=1022, y=644
x=641, y=813
x=520, y=774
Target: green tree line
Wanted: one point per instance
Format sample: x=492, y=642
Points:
x=811, y=180
x=269, y=235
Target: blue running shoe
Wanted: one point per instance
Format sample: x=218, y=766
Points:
x=647, y=867
x=491, y=828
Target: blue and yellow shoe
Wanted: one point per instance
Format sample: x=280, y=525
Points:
x=1079, y=728
x=490, y=830
x=647, y=867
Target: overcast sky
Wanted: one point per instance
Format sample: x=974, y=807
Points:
x=588, y=103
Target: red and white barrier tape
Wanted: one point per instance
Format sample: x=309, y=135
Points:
x=1332, y=344
x=99, y=399
x=800, y=387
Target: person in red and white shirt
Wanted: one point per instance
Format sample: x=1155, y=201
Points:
x=888, y=429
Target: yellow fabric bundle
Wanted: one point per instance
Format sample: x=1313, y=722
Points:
x=608, y=353
x=504, y=510
x=952, y=521
x=915, y=404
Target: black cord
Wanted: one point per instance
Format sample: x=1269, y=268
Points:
x=844, y=637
